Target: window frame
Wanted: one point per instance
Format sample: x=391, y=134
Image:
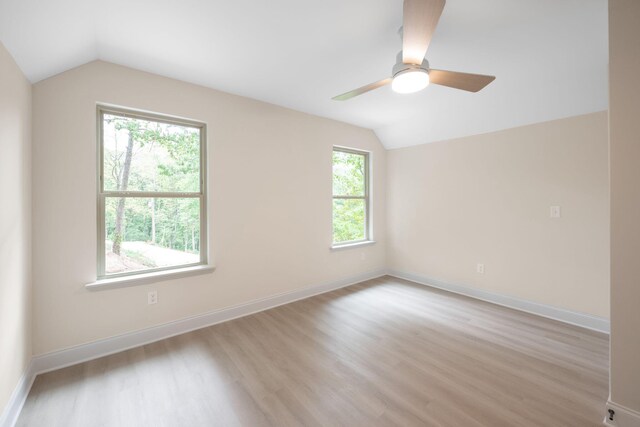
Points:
x=103, y=109
x=367, y=198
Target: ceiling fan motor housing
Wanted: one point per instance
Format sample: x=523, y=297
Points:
x=401, y=67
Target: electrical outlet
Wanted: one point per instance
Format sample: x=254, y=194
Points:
x=554, y=211
x=152, y=297
x=480, y=268
x=610, y=419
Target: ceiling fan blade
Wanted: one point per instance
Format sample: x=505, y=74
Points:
x=419, y=23
x=464, y=81
x=362, y=90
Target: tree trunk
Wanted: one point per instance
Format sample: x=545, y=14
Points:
x=174, y=235
x=153, y=221
x=124, y=183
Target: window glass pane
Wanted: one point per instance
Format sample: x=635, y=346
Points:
x=348, y=174
x=349, y=220
x=144, y=233
x=143, y=155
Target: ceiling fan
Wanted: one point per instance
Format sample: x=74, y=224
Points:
x=411, y=72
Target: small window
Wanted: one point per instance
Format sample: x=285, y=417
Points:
x=350, y=196
x=151, y=193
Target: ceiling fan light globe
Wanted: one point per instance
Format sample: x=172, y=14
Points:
x=410, y=81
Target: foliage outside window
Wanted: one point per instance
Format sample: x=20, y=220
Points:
x=350, y=196
x=151, y=195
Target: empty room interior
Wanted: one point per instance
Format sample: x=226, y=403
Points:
x=336, y=213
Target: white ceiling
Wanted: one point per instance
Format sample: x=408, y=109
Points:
x=550, y=56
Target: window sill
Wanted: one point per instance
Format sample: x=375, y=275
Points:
x=146, y=278
x=352, y=245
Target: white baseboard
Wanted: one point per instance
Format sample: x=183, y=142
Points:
x=93, y=350
x=13, y=407
x=622, y=417
x=84, y=352
x=567, y=316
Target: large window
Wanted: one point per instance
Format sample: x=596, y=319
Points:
x=151, y=193
x=350, y=196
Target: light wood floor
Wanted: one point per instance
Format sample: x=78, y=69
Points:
x=381, y=353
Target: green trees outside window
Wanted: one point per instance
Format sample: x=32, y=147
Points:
x=350, y=196
x=151, y=195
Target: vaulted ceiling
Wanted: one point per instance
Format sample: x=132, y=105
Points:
x=550, y=56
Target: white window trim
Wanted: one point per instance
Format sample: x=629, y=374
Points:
x=146, y=277
x=352, y=245
x=143, y=276
x=367, y=197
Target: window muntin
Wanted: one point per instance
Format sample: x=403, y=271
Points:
x=151, y=193
x=350, y=196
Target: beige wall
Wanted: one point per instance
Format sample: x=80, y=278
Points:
x=269, y=205
x=486, y=199
x=624, y=50
x=15, y=225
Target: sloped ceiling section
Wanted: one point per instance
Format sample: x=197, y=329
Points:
x=550, y=56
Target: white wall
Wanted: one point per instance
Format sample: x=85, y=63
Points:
x=486, y=198
x=269, y=205
x=15, y=225
x=624, y=37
